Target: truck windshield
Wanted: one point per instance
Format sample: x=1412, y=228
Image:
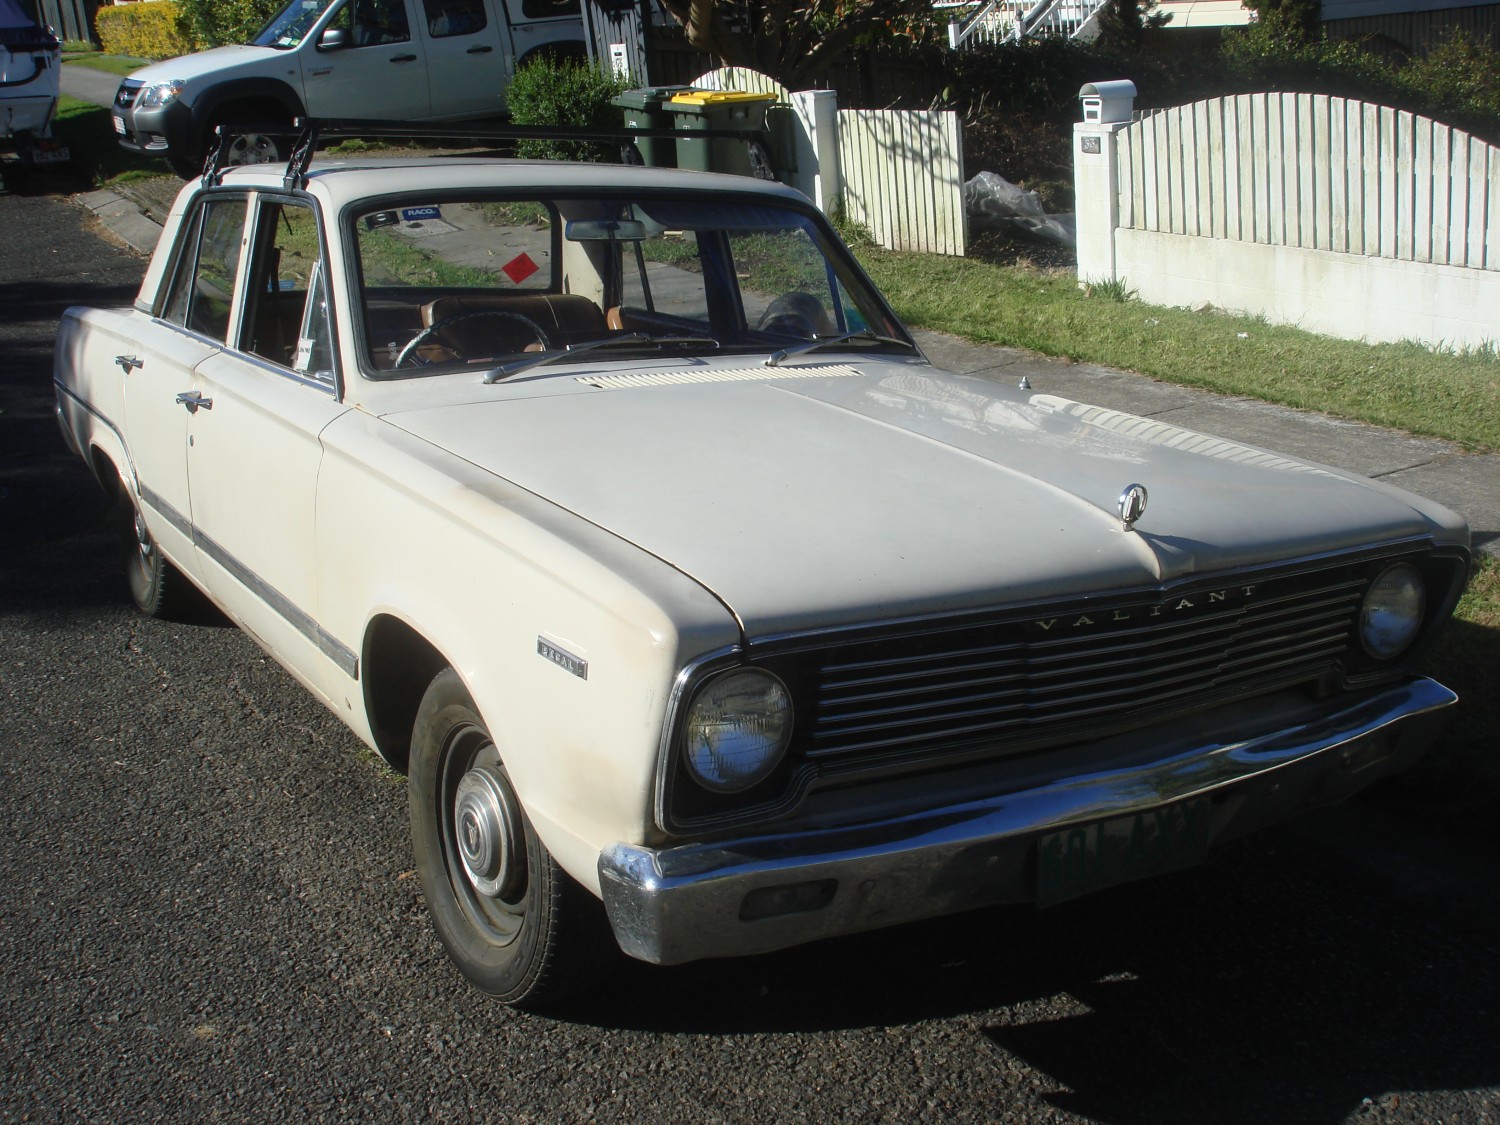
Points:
x=292, y=24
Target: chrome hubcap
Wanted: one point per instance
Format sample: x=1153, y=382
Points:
x=485, y=827
x=142, y=536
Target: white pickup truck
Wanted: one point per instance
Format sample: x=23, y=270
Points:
x=400, y=60
x=707, y=617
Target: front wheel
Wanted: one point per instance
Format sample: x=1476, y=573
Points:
x=510, y=918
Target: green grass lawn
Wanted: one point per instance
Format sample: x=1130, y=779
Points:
x=110, y=64
x=87, y=130
x=1404, y=386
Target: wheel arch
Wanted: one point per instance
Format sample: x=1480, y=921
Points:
x=110, y=469
x=398, y=664
x=571, y=50
x=270, y=97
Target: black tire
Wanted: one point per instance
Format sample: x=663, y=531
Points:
x=158, y=588
x=189, y=168
x=512, y=921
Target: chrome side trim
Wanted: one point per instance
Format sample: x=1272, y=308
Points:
x=62, y=388
x=180, y=523
x=677, y=904
x=346, y=659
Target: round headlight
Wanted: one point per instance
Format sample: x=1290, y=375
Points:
x=1392, y=611
x=737, y=729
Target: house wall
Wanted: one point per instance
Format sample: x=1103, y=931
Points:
x=1413, y=31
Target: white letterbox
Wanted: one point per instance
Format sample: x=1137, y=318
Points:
x=1105, y=103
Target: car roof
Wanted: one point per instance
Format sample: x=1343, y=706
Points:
x=343, y=181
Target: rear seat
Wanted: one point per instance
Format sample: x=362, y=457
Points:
x=566, y=318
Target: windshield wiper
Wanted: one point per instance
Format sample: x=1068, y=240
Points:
x=777, y=358
x=537, y=359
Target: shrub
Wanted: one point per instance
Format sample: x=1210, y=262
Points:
x=549, y=91
x=144, y=31
x=215, y=23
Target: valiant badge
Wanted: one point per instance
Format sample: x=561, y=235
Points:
x=1132, y=505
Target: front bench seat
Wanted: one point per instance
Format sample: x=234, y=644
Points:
x=566, y=318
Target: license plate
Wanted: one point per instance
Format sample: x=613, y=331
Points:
x=119, y=124
x=1089, y=857
x=50, y=155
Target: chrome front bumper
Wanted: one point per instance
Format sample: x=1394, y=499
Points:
x=756, y=894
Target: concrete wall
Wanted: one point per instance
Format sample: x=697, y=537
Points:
x=1339, y=217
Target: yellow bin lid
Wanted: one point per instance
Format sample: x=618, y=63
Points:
x=720, y=97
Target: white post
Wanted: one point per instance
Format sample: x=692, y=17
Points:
x=817, y=175
x=1107, y=108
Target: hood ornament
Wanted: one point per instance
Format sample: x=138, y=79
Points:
x=1132, y=505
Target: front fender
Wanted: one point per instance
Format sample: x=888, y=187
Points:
x=207, y=107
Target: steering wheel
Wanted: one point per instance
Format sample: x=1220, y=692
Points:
x=433, y=333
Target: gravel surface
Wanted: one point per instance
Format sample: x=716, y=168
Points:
x=208, y=910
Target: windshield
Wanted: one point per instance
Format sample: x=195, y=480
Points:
x=449, y=283
x=292, y=24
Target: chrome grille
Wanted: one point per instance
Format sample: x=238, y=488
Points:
x=1010, y=680
x=125, y=96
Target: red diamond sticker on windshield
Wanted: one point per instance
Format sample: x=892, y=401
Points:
x=519, y=268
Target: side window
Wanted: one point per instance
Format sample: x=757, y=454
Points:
x=286, y=305
x=203, y=288
x=524, y=11
x=454, y=17
x=374, y=23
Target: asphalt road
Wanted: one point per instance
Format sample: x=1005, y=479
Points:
x=208, y=910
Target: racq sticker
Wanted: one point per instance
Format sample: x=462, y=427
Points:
x=420, y=214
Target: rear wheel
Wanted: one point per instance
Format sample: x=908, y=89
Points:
x=157, y=587
x=510, y=918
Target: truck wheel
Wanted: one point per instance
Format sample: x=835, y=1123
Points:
x=511, y=919
x=253, y=148
x=158, y=588
x=186, y=167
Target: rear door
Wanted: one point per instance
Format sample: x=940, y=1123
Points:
x=468, y=63
x=380, y=72
x=551, y=26
x=191, y=326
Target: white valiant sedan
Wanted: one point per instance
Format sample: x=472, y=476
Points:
x=706, y=616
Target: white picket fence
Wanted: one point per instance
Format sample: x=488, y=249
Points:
x=897, y=173
x=1345, y=217
x=1314, y=172
x=903, y=177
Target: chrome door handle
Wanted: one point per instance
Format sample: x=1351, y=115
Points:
x=128, y=363
x=193, y=401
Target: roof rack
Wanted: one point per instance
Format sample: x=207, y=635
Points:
x=308, y=134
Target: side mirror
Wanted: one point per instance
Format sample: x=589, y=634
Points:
x=333, y=39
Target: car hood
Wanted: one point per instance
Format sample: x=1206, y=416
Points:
x=215, y=63
x=815, y=497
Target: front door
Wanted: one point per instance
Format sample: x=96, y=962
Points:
x=255, y=452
